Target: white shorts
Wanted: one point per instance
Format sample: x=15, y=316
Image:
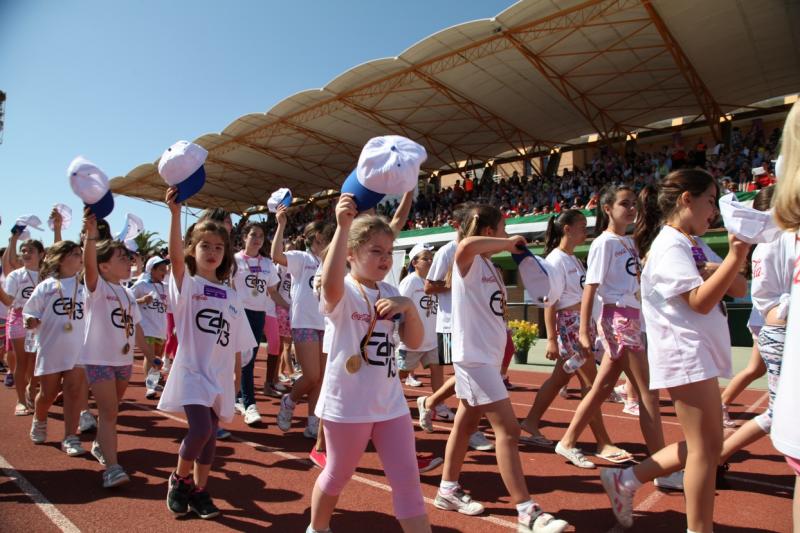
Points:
x=479, y=385
x=407, y=361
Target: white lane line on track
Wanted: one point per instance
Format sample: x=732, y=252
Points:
x=50, y=511
x=263, y=447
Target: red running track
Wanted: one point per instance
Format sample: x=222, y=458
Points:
x=262, y=478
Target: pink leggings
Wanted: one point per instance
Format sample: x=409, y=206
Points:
x=394, y=441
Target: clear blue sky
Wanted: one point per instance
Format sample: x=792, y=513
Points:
x=118, y=82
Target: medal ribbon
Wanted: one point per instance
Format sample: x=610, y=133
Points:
x=73, y=304
x=122, y=310
x=373, y=318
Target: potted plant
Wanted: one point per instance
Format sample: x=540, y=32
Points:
x=524, y=335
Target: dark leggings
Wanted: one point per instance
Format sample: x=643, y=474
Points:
x=200, y=443
x=248, y=393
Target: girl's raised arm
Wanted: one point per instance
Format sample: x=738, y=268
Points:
x=91, y=273
x=276, y=250
x=176, y=260
x=334, y=266
x=471, y=246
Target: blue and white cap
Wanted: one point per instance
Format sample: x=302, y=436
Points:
x=542, y=287
x=21, y=226
x=91, y=185
x=181, y=165
x=282, y=196
x=130, y=230
x=387, y=165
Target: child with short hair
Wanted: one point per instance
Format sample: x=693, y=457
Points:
x=151, y=297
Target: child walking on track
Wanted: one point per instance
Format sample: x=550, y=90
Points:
x=683, y=283
x=613, y=276
x=362, y=398
x=212, y=326
x=56, y=308
x=112, y=319
x=151, y=296
x=479, y=340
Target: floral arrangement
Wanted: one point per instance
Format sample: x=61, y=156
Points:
x=523, y=333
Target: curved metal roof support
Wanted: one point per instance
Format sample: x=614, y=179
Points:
x=704, y=98
x=293, y=160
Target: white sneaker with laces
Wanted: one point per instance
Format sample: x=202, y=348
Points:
x=86, y=422
x=412, y=381
x=113, y=476
x=312, y=429
x=479, y=442
x=72, y=446
x=457, y=500
x=251, y=415
x=285, y=414
x=425, y=415
x=444, y=413
x=574, y=456
x=540, y=522
x=239, y=407
x=674, y=481
x=621, y=498
x=38, y=431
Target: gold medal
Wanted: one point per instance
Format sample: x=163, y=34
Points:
x=353, y=364
x=68, y=327
x=126, y=348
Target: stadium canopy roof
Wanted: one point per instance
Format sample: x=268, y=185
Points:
x=540, y=73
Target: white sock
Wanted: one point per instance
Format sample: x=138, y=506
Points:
x=448, y=486
x=629, y=481
x=526, y=508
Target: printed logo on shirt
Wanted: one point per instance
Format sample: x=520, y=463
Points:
x=63, y=306
x=255, y=269
x=122, y=320
x=287, y=284
x=254, y=282
x=496, y=303
x=757, y=268
x=26, y=292
x=429, y=304
x=583, y=280
x=363, y=317
x=632, y=266
x=311, y=282
x=383, y=352
x=215, y=292
x=157, y=306
x=213, y=322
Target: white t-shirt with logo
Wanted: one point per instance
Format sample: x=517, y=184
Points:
x=255, y=273
x=285, y=287
x=19, y=284
x=305, y=306
x=413, y=287
x=374, y=393
x=58, y=349
x=442, y=263
x=571, y=278
x=3, y=307
x=154, y=314
x=773, y=265
x=479, y=329
x=785, y=429
x=613, y=262
x=212, y=326
x=109, y=325
x=683, y=346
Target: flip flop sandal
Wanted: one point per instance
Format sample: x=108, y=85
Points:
x=537, y=440
x=617, y=458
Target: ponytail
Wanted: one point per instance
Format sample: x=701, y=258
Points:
x=555, y=228
x=648, y=220
x=482, y=216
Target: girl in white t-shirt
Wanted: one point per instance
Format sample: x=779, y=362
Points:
x=689, y=348
x=785, y=429
x=562, y=321
x=479, y=338
x=256, y=282
x=613, y=277
x=285, y=327
x=56, y=309
x=112, y=324
x=362, y=398
x=18, y=287
x=213, y=334
x=151, y=297
x=308, y=326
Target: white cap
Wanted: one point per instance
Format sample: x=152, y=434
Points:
x=387, y=165
x=154, y=262
x=282, y=196
x=748, y=224
x=181, y=165
x=758, y=171
x=66, y=216
x=22, y=223
x=537, y=278
x=132, y=228
x=91, y=185
x=415, y=251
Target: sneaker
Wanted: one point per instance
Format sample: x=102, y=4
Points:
x=285, y=415
x=444, y=413
x=310, y=529
x=564, y=392
x=9, y=380
x=618, y=394
x=223, y=434
x=412, y=381
x=621, y=499
x=721, y=481
x=114, y=476
x=507, y=383
x=540, y=522
x=574, y=456
x=38, y=431
x=178, y=492
x=98, y=453
x=280, y=387
x=151, y=382
x=86, y=422
x=240, y=408
x=167, y=365
x=425, y=415
x=727, y=422
x=283, y=378
x=674, y=481
x=271, y=391
x=631, y=408
x=72, y=446
x=428, y=462
x=251, y=415
x=318, y=457
x=478, y=441
x=312, y=429
x=200, y=502
x=458, y=500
